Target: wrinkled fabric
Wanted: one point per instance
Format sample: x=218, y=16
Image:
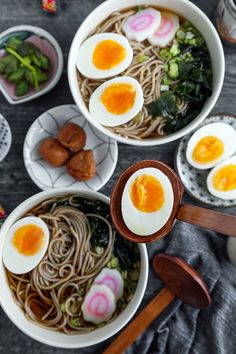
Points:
x=181, y=329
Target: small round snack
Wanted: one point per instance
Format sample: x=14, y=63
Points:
x=72, y=136
x=53, y=152
x=82, y=165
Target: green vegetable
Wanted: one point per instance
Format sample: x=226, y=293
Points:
x=142, y=58
x=180, y=35
x=124, y=274
x=139, y=8
x=165, y=54
x=132, y=287
x=133, y=275
x=100, y=325
x=24, y=64
x=99, y=250
x=76, y=322
x=11, y=66
x=81, y=291
x=13, y=42
x=174, y=50
x=21, y=88
x=16, y=75
x=62, y=307
x=114, y=262
x=164, y=88
x=173, y=71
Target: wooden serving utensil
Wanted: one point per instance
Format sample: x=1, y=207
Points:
x=208, y=219
x=181, y=281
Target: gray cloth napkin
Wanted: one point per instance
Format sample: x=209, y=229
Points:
x=182, y=329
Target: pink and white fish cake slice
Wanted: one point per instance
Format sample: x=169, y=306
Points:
x=142, y=25
x=99, y=304
x=113, y=279
x=167, y=30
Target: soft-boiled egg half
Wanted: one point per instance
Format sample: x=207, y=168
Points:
x=117, y=101
x=210, y=145
x=104, y=55
x=221, y=181
x=25, y=245
x=147, y=201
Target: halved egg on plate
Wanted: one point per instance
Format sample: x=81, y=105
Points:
x=221, y=181
x=210, y=145
x=104, y=55
x=147, y=201
x=25, y=245
x=117, y=101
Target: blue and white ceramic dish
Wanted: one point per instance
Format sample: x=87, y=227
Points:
x=194, y=180
x=5, y=137
x=105, y=151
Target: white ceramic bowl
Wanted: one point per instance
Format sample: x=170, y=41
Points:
x=58, y=339
x=183, y=7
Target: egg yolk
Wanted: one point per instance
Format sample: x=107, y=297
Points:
x=147, y=193
x=28, y=239
x=119, y=98
x=225, y=179
x=108, y=54
x=208, y=149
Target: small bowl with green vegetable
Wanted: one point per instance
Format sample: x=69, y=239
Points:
x=31, y=63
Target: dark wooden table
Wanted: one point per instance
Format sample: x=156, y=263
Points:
x=15, y=184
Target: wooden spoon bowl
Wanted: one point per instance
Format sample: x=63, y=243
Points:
x=116, y=195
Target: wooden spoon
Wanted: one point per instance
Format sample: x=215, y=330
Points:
x=181, y=280
x=209, y=219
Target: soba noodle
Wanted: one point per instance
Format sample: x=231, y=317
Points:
x=51, y=295
x=148, y=73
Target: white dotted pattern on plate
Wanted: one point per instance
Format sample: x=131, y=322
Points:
x=105, y=151
x=5, y=137
x=194, y=180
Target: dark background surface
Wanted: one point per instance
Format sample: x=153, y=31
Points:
x=15, y=184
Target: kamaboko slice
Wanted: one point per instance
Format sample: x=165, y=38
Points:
x=113, y=279
x=99, y=304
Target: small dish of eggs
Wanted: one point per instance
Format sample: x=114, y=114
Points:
x=206, y=161
x=62, y=149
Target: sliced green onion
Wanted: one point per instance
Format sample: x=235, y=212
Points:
x=76, y=322
x=142, y=58
x=100, y=325
x=164, y=88
x=174, y=71
x=114, y=262
x=180, y=35
x=124, y=274
x=165, y=53
x=132, y=287
x=99, y=250
x=174, y=50
x=133, y=275
x=62, y=307
x=189, y=35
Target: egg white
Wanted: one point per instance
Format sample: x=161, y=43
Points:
x=226, y=195
x=142, y=223
x=12, y=259
x=222, y=131
x=102, y=115
x=84, y=61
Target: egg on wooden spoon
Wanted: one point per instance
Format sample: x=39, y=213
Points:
x=221, y=181
x=104, y=55
x=210, y=145
x=25, y=245
x=147, y=201
x=117, y=101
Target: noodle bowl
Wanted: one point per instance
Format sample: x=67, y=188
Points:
x=143, y=130
x=57, y=279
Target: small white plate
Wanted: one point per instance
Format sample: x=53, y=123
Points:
x=5, y=137
x=105, y=151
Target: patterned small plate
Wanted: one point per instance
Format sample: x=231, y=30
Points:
x=194, y=180
x=5, y=137
x=105, y=151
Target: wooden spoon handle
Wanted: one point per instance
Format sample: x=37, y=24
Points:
x=209, y=219
x=141, y=322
